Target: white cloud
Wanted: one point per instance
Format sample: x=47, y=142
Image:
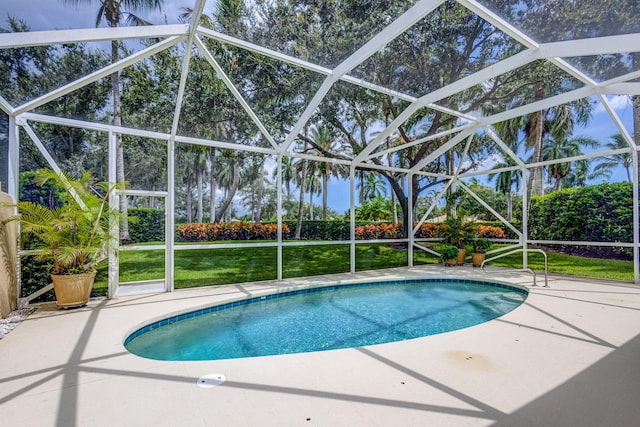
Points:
x=485, y=164
x=617, y=102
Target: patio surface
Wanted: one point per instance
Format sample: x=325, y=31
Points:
x=569, y=356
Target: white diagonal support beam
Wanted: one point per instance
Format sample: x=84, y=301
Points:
x=5, y=106
x=390, y=32
x=490, y=171
x=41, y=38
x=443, y=149
x=573, y=71
x=418, y=141
x=622, y=88
x=184, y=71
x=106, y=71
x=270, y=53
x=592, y=46
x=489, y=208
x=434, y=204
x=581, y=157
x=544, y=104
x=616, y=119
x=479, y=77
x=52, y=163
x=498, y=22
x=252, y=47
x=493, y=135
x=306, y=115
x=236, y=94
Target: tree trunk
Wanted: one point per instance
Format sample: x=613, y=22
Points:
x=288, y=187
x=224, y=208
x=509, y=206
x=451, y=207
x=325, y=183
x=302, y=183
x=199, y=166
x=189, y=203
x=535, y=183
x=117, y=121
x=260, y=193
x=212, y=186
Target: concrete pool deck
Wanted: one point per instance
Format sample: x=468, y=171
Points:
x=568, y=356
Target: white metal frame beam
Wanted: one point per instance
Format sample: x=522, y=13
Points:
x=82, y=35
x=234, y=91
x=390, y=32
x=103, y=72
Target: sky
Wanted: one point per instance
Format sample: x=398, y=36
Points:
x=63, y=14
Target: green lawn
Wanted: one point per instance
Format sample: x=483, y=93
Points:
x=206, y=267
x=572, y=265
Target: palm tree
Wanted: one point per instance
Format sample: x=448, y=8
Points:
x=213, y=184
x=228, y=179
x=610, y=162
x=506, y=181
x=560, y=149
x=324, y=141
x=199, y=163
x=557, y=122
x=115, y=13
x=254, y=179
x=322, y=137
x=288, y=175
x=372, y=187
x=314, y=186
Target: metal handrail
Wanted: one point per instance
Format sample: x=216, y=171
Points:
x=546, y=264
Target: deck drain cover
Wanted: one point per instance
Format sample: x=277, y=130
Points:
x=211, y=380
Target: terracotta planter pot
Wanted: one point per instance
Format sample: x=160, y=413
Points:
x=72, y=290
x=461, y=256
x=450, y=262
x=477, y=258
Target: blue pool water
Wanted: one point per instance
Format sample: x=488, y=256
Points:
x=325, y=318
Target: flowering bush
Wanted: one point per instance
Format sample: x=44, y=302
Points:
x=379, y=231
x=229, y=231
x=429, y=230
x=490, y=232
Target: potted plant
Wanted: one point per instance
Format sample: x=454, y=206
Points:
x=72, y=237
x=449, y=254
x=457, y=233
x=479, y=248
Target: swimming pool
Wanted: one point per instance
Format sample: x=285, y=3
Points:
x=325, y=318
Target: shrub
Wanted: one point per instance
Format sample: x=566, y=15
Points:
x=490, y=232
x=601, y=213
x=379, y=231
x=429, y=230
x=148, y=225
x=480, y=245
x=449, y=252
x=229, y=231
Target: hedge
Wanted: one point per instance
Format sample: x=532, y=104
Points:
x=596, y=213
x=148, y=225
x=313, y=230
x=207, y=232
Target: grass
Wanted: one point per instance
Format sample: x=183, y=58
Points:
x=572, y=265
x=208, y=267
